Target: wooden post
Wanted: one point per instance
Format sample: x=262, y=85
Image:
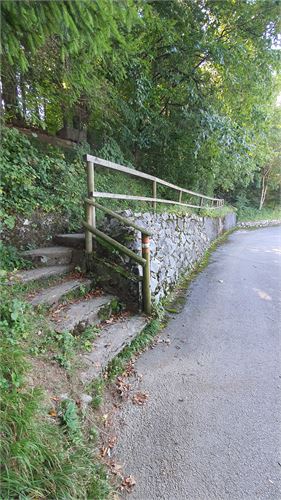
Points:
x=146, y=274
x=201, y=202
x=90, y=210
x=180, y=196
x=154, y=190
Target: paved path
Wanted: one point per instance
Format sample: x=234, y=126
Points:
x=211, y=428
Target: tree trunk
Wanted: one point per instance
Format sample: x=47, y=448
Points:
x=9, y=89
x=10, y=95
x=264, y=188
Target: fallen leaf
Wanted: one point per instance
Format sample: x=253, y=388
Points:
x=53, y=413
x=129, y=369
x=128, y=483
x=140, y=398
x=109, y=321
x=112, y=442
x=103, y=451
x=116, y=469
x=122, y=386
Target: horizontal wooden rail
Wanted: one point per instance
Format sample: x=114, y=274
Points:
x=122, y=219
x=91, y=205
x=99, y=194
x=121, y=168
x=115, y=244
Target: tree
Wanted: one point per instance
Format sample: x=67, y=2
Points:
x=184, y=88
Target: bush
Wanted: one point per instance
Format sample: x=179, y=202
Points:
x=32, y=179
x=10, y=258
x=254, y=214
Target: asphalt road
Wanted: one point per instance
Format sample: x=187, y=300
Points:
x=211, y=428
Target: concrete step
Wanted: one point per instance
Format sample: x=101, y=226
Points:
x=112, y=340
x=42, y=273
x=49, y=256
x=76, y=317
x=53, y=295
x=74, y=240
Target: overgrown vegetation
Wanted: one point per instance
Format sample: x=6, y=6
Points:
x=42, y=454
x=250, y=213
x=183, y=90
x=10, y=258
x=51, y=180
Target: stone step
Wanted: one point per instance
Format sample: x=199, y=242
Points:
x=74, y=240
x=111, y=341
x=49, y=256
x=76, y=317
x=42, y=273
x=53, y=295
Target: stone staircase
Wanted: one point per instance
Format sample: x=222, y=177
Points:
x=75, y=304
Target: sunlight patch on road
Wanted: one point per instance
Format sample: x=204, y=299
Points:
x=263, y=295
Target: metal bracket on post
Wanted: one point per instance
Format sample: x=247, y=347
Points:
x=90, y=209
x=146, y=274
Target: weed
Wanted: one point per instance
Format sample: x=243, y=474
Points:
x=65, y=341
x=108, y=310
x=85, y=340
x=253, y=214
x=10, y=258
x=39, y=459
x=70, y=421
x=143, y=340
x=96, y=388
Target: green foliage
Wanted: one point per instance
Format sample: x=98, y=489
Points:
x=219, y=212
x=13, y=323
x=253, y=214
x=32, y=180
x=70, y=420
x=26, y=26
x=65, y=343
x=183, y=92
x=10, y=258
x=39, y=458
x=96, y=387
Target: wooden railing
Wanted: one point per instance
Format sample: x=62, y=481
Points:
x=94, y=160
x=92, y=205
x=143, y=260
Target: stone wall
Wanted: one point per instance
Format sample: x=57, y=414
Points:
x=178, y=242
x=259, y=223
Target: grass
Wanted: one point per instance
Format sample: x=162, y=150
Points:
x=117, y=365
x=253, y=214
x=141, y=342
x=51, y=455
x=41, y=455
x=218, y=212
